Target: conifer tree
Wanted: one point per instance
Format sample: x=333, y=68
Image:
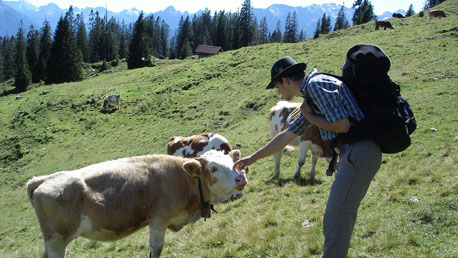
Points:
x=96, y=32
x=22, y=75
x=33, y=51
x=123, y=38
x=276, y=34
x=185, y=33
x=325, y=24
x=246, y=24
x=317, y=32
x=290, y=34
x=432, y=3
x=45, y=51
x=9, y=50
x=172, y=54
x=364, y=12
x=65, y=60
x=110, y=40
x=81, y=37
x=302, y=36
x=221, y=31
x=236, y=31
x=185, y=50
x=410, y=11
x=263, y=31
x=138, y=50
x=254, y=29
x=341, y=20
x=1, y=64
x=163, y=37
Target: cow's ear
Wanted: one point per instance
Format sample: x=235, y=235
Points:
x=193, y=167
x=235, y=155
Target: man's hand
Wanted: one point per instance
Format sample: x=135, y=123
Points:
x=242, y=164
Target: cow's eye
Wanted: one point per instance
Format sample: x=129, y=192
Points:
x=213, y=169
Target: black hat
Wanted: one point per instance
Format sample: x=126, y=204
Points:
x=284, y=66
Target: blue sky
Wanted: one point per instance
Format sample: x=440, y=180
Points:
x=380, y=6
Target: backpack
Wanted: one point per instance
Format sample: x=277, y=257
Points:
x=389, y=120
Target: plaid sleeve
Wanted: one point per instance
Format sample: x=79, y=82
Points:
x=328, y=100
x=299, y=125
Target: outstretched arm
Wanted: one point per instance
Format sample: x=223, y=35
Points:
x=275, y=145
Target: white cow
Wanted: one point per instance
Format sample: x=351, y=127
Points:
x=111, y=99
x=113, y=199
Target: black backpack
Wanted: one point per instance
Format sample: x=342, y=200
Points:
x=389, y=120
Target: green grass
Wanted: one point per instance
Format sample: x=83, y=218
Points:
x=60, y=127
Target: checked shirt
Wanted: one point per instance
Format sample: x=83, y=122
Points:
x=333, y=100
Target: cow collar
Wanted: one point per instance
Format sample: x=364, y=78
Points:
x=205, y=208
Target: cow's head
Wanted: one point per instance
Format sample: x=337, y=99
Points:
x=216, y=172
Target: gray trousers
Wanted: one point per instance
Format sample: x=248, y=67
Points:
x=357, y=166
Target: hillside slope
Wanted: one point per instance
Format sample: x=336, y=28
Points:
x=60, y=127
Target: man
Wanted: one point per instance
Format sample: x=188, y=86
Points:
x=333, y=108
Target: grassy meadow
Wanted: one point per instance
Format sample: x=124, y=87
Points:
x=60, y=127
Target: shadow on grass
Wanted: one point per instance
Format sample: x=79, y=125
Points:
x=299, y=181
x=11, y=91
x=109, y=111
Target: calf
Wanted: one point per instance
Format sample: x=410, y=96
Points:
x=111, y=99
x=398, y=15
x=280, y=117
x=196, y=145
x=436, y=13
x=383, y=24
x=113, y=199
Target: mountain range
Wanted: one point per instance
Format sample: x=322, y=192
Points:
x=13, y=12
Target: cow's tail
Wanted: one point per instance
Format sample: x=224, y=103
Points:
x=33, y=184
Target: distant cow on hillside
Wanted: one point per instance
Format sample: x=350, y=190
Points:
x=111, y=99
x=436, y=13
x=398, y=15
x=383, y=24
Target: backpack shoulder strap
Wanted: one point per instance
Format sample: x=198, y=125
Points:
x=330, y=74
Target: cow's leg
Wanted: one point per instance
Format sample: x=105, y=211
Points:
x=303, y=147
x=315, y=157
x=277, y=158
x=156, y=240
x=55, y=246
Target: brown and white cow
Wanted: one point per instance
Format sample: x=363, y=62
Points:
x=436, y=14
x=196, y=145
x=111, y=99
x=279, y=120
x=383, y=24
x=113, y=199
